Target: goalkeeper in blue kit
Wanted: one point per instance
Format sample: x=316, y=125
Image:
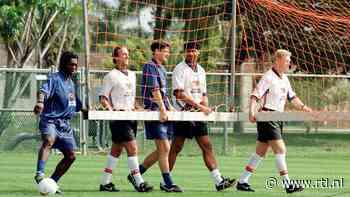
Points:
x=57, y=102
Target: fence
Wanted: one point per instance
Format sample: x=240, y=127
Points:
x=19, y=126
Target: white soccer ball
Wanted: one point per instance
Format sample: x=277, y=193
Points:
x=47, y=186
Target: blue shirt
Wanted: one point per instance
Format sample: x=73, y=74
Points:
x=61, y=101
x=153, y=78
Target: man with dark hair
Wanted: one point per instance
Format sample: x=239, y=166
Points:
x=155, y=98
x=118, y=94
x=189, y=86
x=159, y=45
x=57, y=102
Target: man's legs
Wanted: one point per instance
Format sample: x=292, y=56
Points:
x=64, y=164
x=112, y=160
x=43, y=155
x=133, y=163
x=160, y=133
x=135, y=177
x=279, y=149
x=253, y=163
x=211, y=163
x=207, y=152
x=163, y=148
x=149, y=161
x=176, y=147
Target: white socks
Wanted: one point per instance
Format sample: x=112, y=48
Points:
x=253, y=163
x=216, y=175
x=107, y=173
x=281, y=162
x=133, y=164
x=282, y=168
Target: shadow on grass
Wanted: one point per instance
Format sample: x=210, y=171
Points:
x=297, y=139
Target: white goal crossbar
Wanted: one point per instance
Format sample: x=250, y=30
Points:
x=219, y=116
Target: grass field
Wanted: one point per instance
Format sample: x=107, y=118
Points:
x=310, y=157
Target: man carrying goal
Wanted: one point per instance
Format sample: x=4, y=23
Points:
x=189, y=86
x=155, y=98
x=118, y=94
x=274, y=90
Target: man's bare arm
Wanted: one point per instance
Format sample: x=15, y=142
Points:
x=105, y=103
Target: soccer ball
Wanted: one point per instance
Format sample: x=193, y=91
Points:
x=47, y=186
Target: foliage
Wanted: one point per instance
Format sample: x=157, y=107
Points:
x=137, y=51
x=35, y=32
x=338, y=94
x=13, y=14
x=10, y=18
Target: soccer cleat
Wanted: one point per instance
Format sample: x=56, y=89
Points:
x=172, y=188
x=132, y=181
x=110, y=187
x=144, y=187
x=38, y=178
x=244, y=187
x=225, y=183
x=59, y=192
x=294, y=188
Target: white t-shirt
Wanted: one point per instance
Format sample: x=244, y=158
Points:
x=120, y=89
x=193, y=83
x=274, y=91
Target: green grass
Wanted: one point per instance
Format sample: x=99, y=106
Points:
x=311, y=157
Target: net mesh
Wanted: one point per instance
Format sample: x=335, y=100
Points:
x=316, y=32
x=137, y=23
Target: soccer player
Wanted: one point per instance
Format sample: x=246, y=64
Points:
x=118, y=94
x=56, y=103
x=155, y=98
x=274, y=89
x=189, y=86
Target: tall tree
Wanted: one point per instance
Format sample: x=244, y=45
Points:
x=34, y=32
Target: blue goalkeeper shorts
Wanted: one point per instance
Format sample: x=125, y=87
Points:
x=61, y=131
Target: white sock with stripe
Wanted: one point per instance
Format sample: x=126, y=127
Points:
x=108, y=171
x=253, y=163
x=282, y=168
x=133, y=164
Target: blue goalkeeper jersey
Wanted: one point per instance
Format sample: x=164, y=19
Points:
x=61, y=101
